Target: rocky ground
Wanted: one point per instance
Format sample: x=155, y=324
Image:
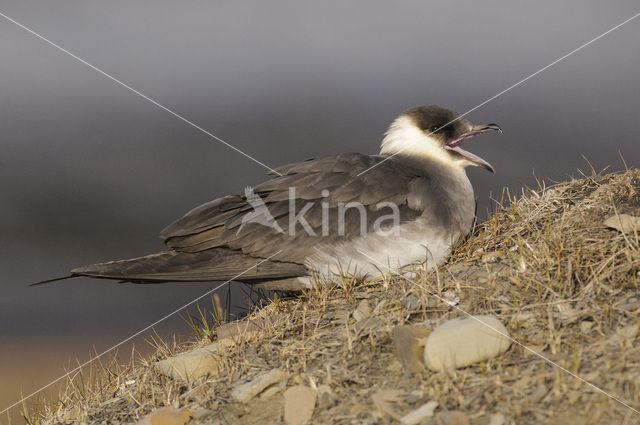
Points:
x=545, y=265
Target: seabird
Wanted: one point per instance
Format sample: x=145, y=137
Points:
x=344, y=213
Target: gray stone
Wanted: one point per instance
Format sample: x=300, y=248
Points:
x=247, y=391
x=452, y=417
x=363, y=311
x=411, y=302
x=626, y=334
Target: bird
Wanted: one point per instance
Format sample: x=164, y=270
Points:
x=320, y=218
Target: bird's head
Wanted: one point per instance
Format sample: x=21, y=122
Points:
x=435, y=133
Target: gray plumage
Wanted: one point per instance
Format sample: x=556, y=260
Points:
x=219, y=241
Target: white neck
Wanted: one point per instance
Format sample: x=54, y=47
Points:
x=404, y=136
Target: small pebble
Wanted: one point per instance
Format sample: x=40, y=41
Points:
x=450, y=298
x=362, y=311
x=585, y=326
x=411, y=302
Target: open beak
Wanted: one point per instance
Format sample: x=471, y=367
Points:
x=477, y=129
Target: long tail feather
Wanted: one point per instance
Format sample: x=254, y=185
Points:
x=71, y=276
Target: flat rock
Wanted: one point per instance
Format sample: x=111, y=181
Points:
x=247, y=391
x=363, y=311
x=409, y=342
x=417, y=416
x=462, y=342
x=452, y=417
x=192, y=365
x=624, y=223
x=270, y=392
x=238, y=329
x=166, y=416
x=299, y=402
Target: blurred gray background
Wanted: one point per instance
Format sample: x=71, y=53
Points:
x=90, y=172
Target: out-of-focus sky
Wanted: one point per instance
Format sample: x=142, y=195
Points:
x=90, y=171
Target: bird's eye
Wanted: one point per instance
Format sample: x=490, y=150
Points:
x=434, y=129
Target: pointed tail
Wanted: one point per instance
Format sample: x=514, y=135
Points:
x=71, y=276
x=173, y=266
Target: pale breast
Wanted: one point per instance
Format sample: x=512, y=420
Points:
x=429, y=239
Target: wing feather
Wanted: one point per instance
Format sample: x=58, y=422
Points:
x=226, y=222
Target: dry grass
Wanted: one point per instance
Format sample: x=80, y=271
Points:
x=563, y=284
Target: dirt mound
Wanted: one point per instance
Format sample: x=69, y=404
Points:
x=564, y=284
